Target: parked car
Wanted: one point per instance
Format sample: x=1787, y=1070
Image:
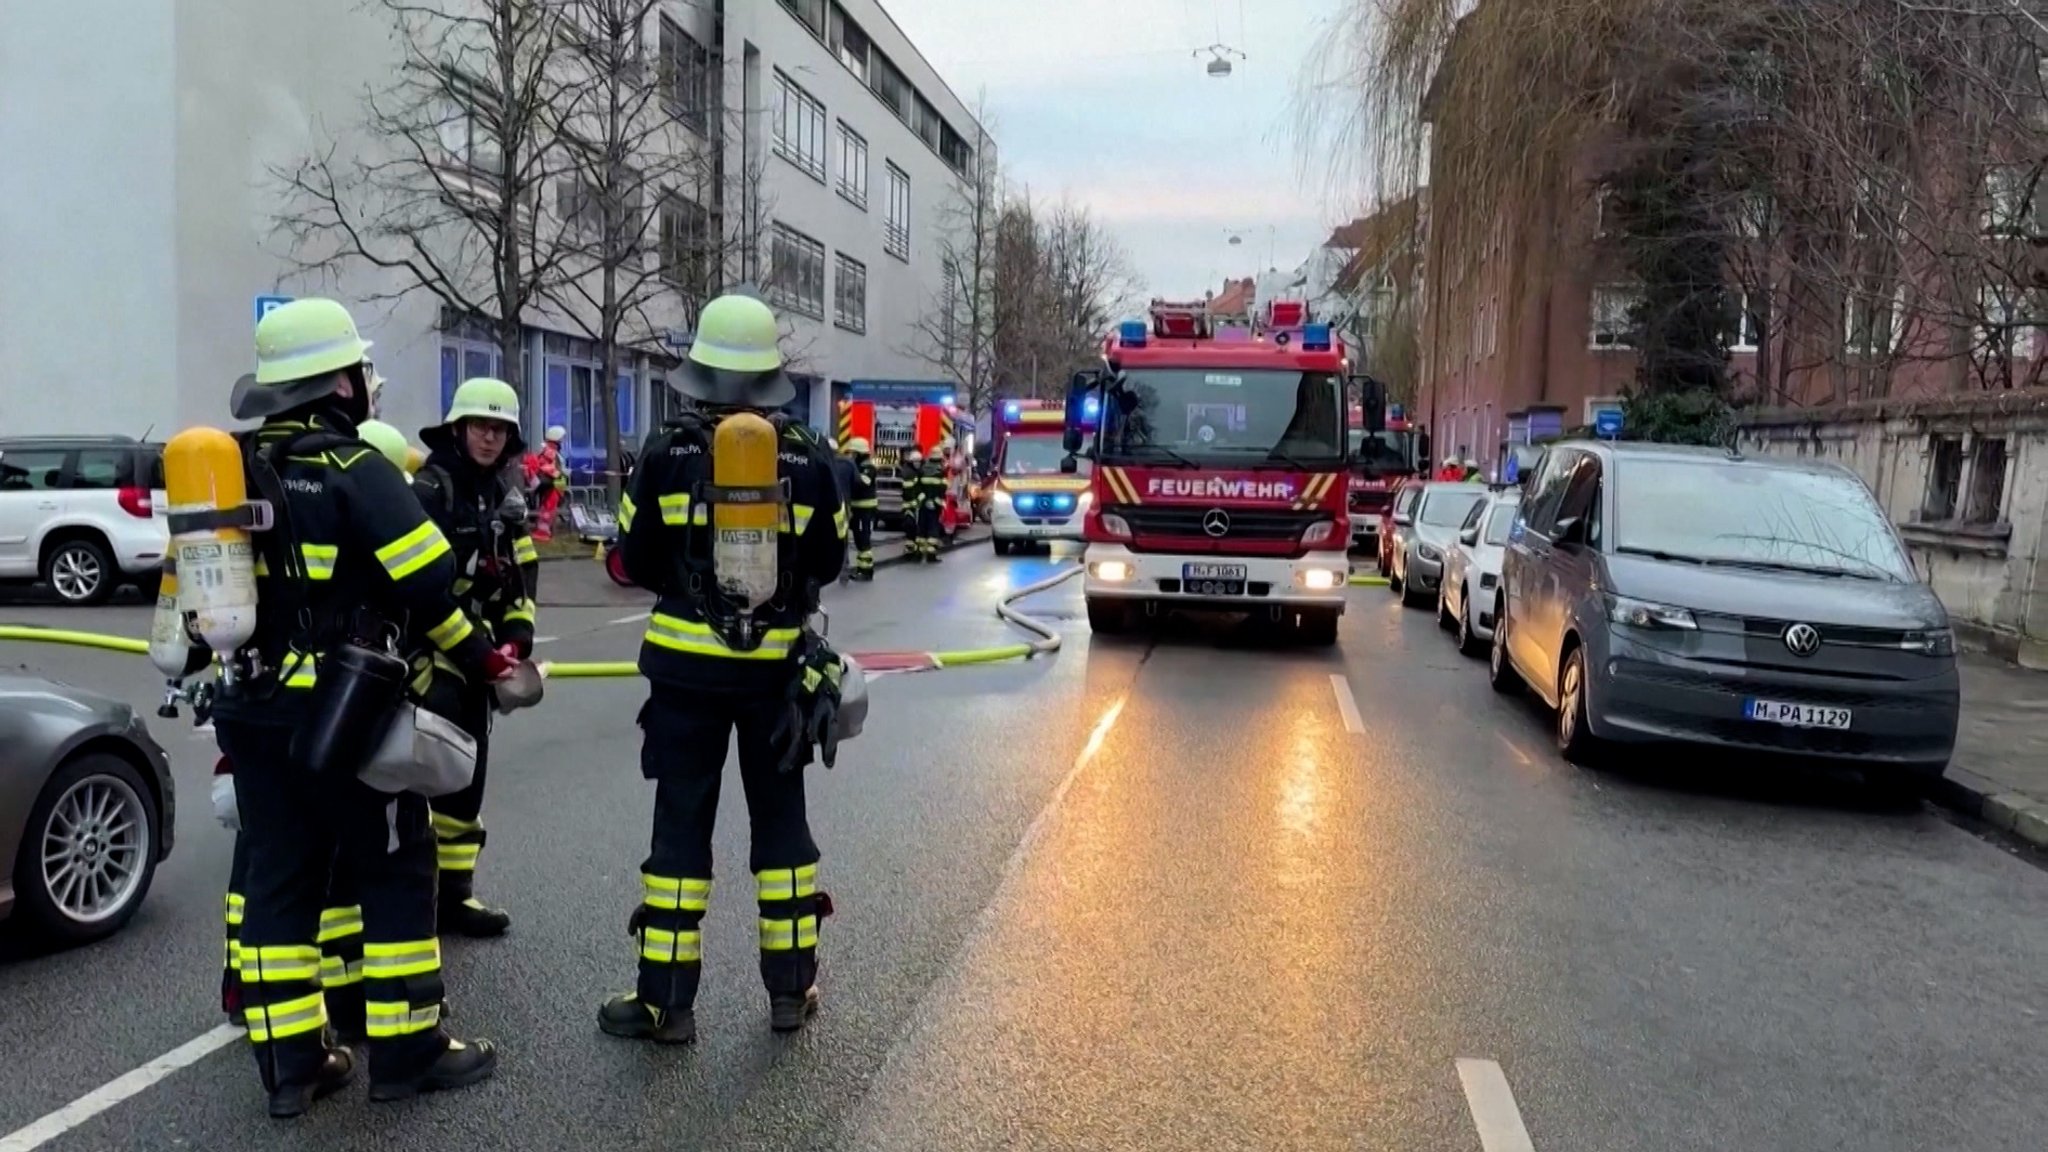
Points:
x=1651, y=592
x=82, y=514
x=86, y=809
x=1406, y=493
x=1424, y=532
x=1464, y=599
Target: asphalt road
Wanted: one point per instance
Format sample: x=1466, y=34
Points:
x=1151, y=893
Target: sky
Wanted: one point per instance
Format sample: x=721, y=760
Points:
x=1105, y=102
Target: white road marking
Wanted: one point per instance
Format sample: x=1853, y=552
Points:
x=545, y=639
x=635, y=618
x=120, y=1088
x=1493, y=1107
x=1347, y=705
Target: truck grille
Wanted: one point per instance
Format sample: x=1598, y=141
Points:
x=1371, y=503
x=1245, y=523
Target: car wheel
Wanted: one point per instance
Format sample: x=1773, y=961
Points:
x=1410, y=598
x=1500, y=671
x=1575, y=738
x=89, y=851
x=1108, y=617
x=1443, y=608
x=1468, y=644
x=80, y=571
x=1001, y=545
x=1317, y=629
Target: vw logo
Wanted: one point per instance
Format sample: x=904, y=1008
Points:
x=1802, y=639
x=1216, y=522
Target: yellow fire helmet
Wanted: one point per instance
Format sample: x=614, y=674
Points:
x=736, y=357
x=388, y=441
x=300, y=347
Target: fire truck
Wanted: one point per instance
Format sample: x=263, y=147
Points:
x=1030, y=498
x=894, y=420
x=1379, y=462
x=1219, y=465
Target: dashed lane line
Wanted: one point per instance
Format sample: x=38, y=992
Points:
x=118, y=1089
x=1347, y=704
x=1493, y=1107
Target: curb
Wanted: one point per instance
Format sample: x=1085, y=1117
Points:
x=2020, y=817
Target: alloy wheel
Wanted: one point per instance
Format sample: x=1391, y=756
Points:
x=92, y=848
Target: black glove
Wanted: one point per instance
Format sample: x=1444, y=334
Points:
x=813, y=707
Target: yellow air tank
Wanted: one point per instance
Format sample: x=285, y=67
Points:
x=216, y=562
x=170, y=649
x=747, y=510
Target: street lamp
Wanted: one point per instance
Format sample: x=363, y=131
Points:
x=1219, y=59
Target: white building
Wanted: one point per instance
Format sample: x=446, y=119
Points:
x=137, y=204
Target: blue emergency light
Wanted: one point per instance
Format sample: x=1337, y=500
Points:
x=1012, y=410
x=1131, y=333
x=1091, y=408
x=947, y=399
x=1315, y=338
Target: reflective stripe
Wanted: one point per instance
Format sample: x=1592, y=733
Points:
x=787, y=935
x=865, y=504
x=458, y=857
x=413, y=551
x=262, y=566
x=302, y=671
x=524, y=552
x=521, y=610
x=234, y=956
x=840, y=522
x=676, y=509
x=689, y=636
x=336, y=923
x=452, y=631
x=408, y=958
x=664, y=947
x=626, y=510
x=385, y=1018
x=798, y=518
x=281, y=1021
x=236, y=906
x=337, y=973
x=676, y=895
x=786, y=883
x=280, y=963
x=319, y=560
x=461, y=586
x=449, y=827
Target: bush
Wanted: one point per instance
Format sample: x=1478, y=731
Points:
x=1689, y=417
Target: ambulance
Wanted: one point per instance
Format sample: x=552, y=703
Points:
x=1030, y=500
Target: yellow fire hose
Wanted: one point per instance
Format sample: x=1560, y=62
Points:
x=78, y=639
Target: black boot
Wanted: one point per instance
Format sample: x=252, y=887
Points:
x=346, y=1020
x=288, y=1101
x=458, y=1066
x=788, y=1012
x=460, y=913
x=628, y=1018
x=863, y=574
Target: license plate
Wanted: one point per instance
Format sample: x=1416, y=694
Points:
x=1795, y=715
x=1212, y=572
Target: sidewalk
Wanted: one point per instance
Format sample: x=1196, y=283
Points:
x=2000, y=770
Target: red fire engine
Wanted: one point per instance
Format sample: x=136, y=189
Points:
x=1379, y=462
x=893, y=427
x=1219, y=466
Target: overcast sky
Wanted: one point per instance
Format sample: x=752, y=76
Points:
x=1103, y=101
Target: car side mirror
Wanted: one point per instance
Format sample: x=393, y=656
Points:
x=1469, y=536
x=1071, y=441
x=1069, y=465
x=1570, y=531
x=1403, y=520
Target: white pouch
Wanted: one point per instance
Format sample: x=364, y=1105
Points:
x=224, y=807
x=422, y=753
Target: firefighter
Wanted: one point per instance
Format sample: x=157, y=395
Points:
x=1450, y=470
x=547, y=471
x=349, y=556
x=910, y=474
x=714, y=667
x=862, y=508
x=467, y=488
x=932, y=481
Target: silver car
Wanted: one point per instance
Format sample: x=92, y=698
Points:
x=1422, y=537
x=1464, y=599
x=1654, y=593
x=86, y=807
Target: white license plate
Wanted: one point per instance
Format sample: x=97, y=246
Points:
x=1795, y=715
x=1212, y=571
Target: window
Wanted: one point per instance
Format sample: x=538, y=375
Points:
x=100, y=468
x=924, y=120
x=896, y=236
x=853, y=167
x=1547, y=488
x=1611, y=325
x=1987, y=481
x=1873, y=324
x=799, y=128
x=579, y=206
x=1500, y=522
x=888, y=84
x=796, y=273
x=686, y=76
x=1446, y=507
x=949, y=305
x=468, y=138
x=850, y=295
x=687, y=251
x=1581, y=499
x=2011, y=201
x=2007, y=329
x=30, y=469
x=1748, y=331
x=811, y=12
x=849, y=43
x=1944, y=478
x=1751, y=512
x=956, y=151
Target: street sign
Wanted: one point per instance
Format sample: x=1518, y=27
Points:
x=1396, y=413
x=264, y=304
x=1607, y=423
x=676, y=338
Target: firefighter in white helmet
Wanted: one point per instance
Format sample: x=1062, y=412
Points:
x=727, y=649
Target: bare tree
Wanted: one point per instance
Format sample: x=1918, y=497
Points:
x=441, y=183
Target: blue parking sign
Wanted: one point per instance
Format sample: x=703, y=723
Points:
x=264, y=305
x=1607, y=423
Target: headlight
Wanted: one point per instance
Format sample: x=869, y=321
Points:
x=1114, y=571
x=1001, y=497
x=1429, y=552
x=1320, y=532
x=1116, y=525
x=1083, y=501
x=1320, y=579
x=1643, y=614
x=1937, y=643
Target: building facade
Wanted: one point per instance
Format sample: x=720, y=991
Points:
x=139, y=240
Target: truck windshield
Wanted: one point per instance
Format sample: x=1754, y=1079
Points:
x=1035, y=456
x=1239, y=415
x=1379, y=452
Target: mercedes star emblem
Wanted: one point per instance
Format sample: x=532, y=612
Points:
x=1802, y=639
x=1216, y=522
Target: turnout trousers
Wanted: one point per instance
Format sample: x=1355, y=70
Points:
x=298, y=830
x=458, y=817
x=863, y=525
x=340, y=940
x=685, y=739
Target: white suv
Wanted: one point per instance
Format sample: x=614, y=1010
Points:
x=82, y=514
